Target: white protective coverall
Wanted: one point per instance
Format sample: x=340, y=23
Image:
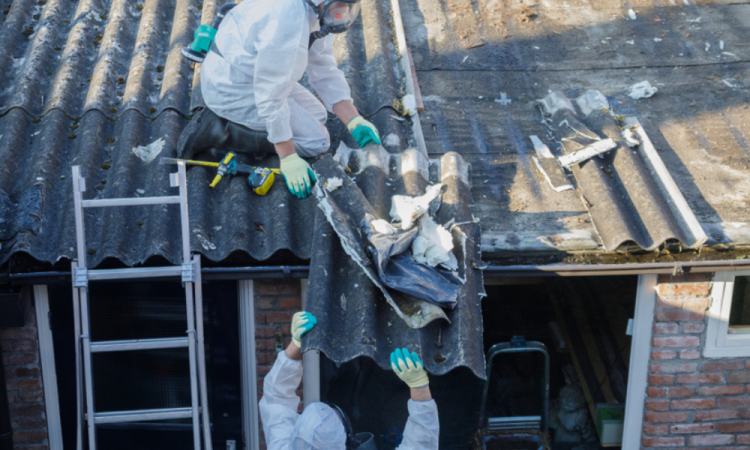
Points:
x=264, y=48
x=278, y=411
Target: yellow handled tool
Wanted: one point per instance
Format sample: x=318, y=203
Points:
x=261, y=179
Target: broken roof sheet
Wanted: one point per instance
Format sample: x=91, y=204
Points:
x=354, y=317
x=482, y=65
x=88, y=82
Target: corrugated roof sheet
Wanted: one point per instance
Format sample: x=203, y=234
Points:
x=482, y=65
x=88, y=81
x=357, y=319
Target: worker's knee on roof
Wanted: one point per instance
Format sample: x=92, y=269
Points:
x=310, y=147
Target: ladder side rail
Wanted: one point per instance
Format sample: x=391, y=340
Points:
x=79, y=387
x=190, y=302
x=87, y=368
x=79, y=186
x=202, y=355
x=193, y=363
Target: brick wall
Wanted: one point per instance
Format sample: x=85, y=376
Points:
x=23, y=379
x=692, y=402
x=276, y=301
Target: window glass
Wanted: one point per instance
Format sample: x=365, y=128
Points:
x=739, y=317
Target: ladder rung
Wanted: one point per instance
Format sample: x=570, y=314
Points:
x=143, y=415
x=136, y=201
x=140, y=272
x=138, y=344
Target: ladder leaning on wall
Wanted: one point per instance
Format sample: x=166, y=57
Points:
x=190, y=274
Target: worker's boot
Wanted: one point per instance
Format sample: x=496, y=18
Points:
x=208, y=131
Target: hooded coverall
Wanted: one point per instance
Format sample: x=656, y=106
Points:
x=278, y=411
x=254, y=82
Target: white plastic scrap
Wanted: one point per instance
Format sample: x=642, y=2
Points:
x=383, y=227
x=407, y=209
x=658, y=39
x=631, y=138
x=632, y=14
x=433, y=244
x=631, y=42
x=587, y=152
x=642, y=90
x=149, y=152
x=334, y=183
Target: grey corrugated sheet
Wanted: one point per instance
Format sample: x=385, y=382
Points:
x=468, y=53
x=94, y=99
x=354, y=318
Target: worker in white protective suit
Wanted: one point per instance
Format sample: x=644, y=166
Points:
x=321, y=427
x=249, y=82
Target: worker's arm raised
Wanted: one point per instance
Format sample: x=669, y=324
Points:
x=302, y=322
x=422, y=430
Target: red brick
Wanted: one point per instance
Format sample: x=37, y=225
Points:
x=663, y=355
x=693, y=428
x=690, y=354
x=29, y=436
x=265, y=344
x=739, y=377
x=667, y=417
x=734, y=427
x=722, y=390
x=263, y=370
x=664, y=442
x=279, y=316
x=666, y=300
x=290, y=303
x=655, y=430
x=25, y=345
x=746, y=413
x=25, y=422
x=666, y=328
x=261, y=332
x=723, y=365
x=718, y=414
x=694, y=403
x=26, y=410
x=16, y=359
x=276, y=287
x=660, y=380
x=674, y=367
x=691, y=289
x=677, y=341
x=696, y=303
x=265, y=357
x=743, y=439
x=713, y=439
x=19, y=333
x=693, y=328
x=29, y=396
x=701, y=378
x=670, y=392
x=734, y=402
x=23, y=384
x=265, y=303
x=679, y=315
x=657, y=405
x=26, y=372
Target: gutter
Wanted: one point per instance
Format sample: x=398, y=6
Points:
x=493, y=271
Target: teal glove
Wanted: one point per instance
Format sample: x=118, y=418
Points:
x=298, y=174
x=302, y=322
x=409, y=368
x=363, y=132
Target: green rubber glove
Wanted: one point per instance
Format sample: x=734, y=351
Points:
x=363, y=132
x=302, y=322
x=298, y=175
x=409, y=368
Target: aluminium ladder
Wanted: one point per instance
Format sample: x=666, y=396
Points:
x=189, y=272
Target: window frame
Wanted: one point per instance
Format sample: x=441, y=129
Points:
x=719, y=343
